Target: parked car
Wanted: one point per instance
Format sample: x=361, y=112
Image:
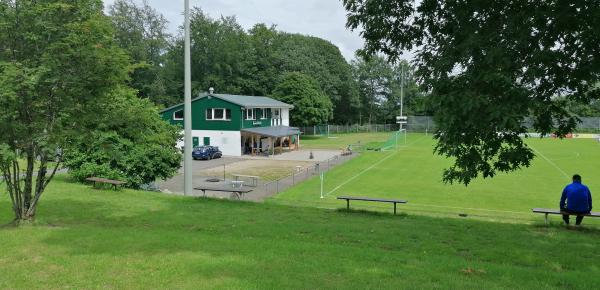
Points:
x=206, y=153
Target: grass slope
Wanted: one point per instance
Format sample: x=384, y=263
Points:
x=87, y=238
x=414, y=173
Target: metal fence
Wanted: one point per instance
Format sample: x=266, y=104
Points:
x=356, y=128
x=301, y=174
x=427, y=124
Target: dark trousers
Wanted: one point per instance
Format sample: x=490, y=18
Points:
x=566, y=214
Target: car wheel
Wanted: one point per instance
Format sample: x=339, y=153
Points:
x=208, y=158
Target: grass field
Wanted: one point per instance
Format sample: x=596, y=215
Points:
x=86, y=238
x=339, y=141
x=414, y=173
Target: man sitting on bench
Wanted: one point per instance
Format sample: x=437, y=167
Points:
x=576, y=199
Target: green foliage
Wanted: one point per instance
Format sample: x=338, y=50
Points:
x=489, y=65
x=131, y=143
x=58, y=61
x=311, y=105
x=238, y=62
x=142, y=32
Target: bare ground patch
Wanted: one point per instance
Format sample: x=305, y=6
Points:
x=267, y=170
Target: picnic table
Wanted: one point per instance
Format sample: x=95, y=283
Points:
x=251, y=177
x=113, y=183
x=547, y=211
x=237, y=192
x=349, y=198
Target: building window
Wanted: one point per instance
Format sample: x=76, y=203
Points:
x=218, y=114
x=276, y=113
x=249, y=114
x=261, y=113
x=178, y=115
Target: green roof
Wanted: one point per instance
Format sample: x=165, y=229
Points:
x=244, y=101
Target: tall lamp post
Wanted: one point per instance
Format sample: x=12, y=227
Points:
x=187, y=111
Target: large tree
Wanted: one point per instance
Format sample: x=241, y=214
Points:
x=489, y=65
x=312, y=106
x=58, y=60
x=142, y=32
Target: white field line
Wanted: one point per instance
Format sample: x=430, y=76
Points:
x=369, y=168
x=550, y=162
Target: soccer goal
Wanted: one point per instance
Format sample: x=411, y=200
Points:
x=395, y=140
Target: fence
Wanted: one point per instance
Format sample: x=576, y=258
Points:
x=426, y=124
x=356, y=128
x=301, y=174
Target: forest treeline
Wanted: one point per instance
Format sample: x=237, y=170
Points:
x=264, y=61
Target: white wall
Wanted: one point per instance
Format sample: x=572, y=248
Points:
x=285, y=117
x=229, y=142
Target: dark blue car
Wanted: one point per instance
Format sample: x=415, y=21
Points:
x=206, y=153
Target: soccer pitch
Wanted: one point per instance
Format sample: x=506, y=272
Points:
x=414, y=173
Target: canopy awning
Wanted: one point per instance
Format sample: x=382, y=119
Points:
x=276, y=132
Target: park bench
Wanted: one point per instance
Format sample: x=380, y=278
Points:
x=546, y=212
x=113, y=183
x=237, y=192
x=349, y=198
x=251, y=177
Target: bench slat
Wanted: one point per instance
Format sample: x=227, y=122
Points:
x=554, y=211
x=241, y=190
x=372, y=199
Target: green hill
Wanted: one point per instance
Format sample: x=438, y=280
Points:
x=87, y=238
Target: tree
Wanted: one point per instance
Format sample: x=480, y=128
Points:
x=221, y=57
x=129, y=141
x=57, y=62
x=142, y=32
x=324, y=62
x=311, y=105
x=489, y=65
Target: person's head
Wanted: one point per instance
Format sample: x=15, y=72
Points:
x=577, y=178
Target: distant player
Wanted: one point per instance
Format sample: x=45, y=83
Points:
x=576, y=199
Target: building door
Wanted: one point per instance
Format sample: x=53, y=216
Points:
x=196, y=141
x=206, y=140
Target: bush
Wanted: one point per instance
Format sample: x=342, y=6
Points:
x=131, y=143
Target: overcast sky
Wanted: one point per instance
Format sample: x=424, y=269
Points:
x=322, y=18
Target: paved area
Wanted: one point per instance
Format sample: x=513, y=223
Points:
x=269, y=168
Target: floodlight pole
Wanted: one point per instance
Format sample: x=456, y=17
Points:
x=187, y=113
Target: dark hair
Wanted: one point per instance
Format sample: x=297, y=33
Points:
x=577, y=177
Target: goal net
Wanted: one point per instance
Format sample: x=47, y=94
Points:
x=396, y=139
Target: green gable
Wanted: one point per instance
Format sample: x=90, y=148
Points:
x=234, y=105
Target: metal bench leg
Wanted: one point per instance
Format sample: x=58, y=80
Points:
x=394, y=208
x=546, y=218
x=347, y=204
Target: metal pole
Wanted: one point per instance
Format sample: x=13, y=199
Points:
x=187, y=163
x=402, y=94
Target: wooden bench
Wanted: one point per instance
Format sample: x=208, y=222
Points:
x=546, y=212
x=349, y=198
x=238, y=192
x=251, y=177
x=113, y=183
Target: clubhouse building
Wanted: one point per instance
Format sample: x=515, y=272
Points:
x=238, y=125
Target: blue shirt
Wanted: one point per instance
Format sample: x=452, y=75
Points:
x=577, y=196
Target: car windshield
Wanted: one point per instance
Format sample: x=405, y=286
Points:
x=200, y=149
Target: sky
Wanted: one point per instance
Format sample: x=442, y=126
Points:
x=321, y=18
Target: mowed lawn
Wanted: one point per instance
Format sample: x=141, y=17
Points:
x=414, y=173
x=86, y=238
x=341, y=141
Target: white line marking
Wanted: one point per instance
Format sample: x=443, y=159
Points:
x=370, y=167
x=550, y=161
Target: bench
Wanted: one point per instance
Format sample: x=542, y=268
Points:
x=238, y=192
x=251, y=177
x=113, y=183
x=546, y=212
x=349, y=198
